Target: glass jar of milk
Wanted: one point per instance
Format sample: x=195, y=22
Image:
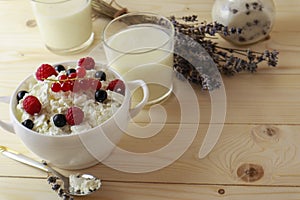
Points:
x=254, y=17
x=65, y=25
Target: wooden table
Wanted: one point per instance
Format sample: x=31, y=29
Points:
x=261, y=126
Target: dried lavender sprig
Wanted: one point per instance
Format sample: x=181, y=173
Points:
x=56, y=186
x=201, y=29
x=228, y=60
x=230, y=65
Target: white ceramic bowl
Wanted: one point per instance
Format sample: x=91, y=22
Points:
x=82, y=150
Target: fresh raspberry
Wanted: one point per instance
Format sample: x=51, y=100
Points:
x=74, y=116
x=32, y=105
x=117, y=85
x=44, y=71
x=87, y=62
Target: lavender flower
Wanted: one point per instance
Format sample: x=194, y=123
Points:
x=229, y=61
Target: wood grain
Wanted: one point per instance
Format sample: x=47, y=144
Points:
x=238, y=145
x=11, y=189
x=257, y=156
x=275, y=148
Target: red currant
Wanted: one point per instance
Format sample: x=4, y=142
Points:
x=67, y=86
x=62, y=78
x=72, y=75
x=94, y=84
x=56, y=87
x=99, y=85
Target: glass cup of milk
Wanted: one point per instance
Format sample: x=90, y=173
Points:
x=140, y=46
x=65, y=25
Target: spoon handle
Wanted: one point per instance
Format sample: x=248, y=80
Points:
x=23, y=159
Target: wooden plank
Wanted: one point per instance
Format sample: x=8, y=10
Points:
x=274, y=149
x=194, y=192
x=33, y=189
x=249, y=161
x=25, y=188
x=251, y=98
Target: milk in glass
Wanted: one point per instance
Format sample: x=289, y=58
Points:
x=144, y=52
x=63, y=24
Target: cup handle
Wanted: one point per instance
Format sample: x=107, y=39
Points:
x=5, y=125
x=133, y=85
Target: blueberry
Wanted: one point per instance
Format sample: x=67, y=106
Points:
x=100, y=95
x=59, y=120
x=28, y=123
x=59, y=68
x=100, y=75
x=21, y=94
x=70, y=71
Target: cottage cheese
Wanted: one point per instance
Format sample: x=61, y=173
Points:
x=53, y=103
x=83, y=185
